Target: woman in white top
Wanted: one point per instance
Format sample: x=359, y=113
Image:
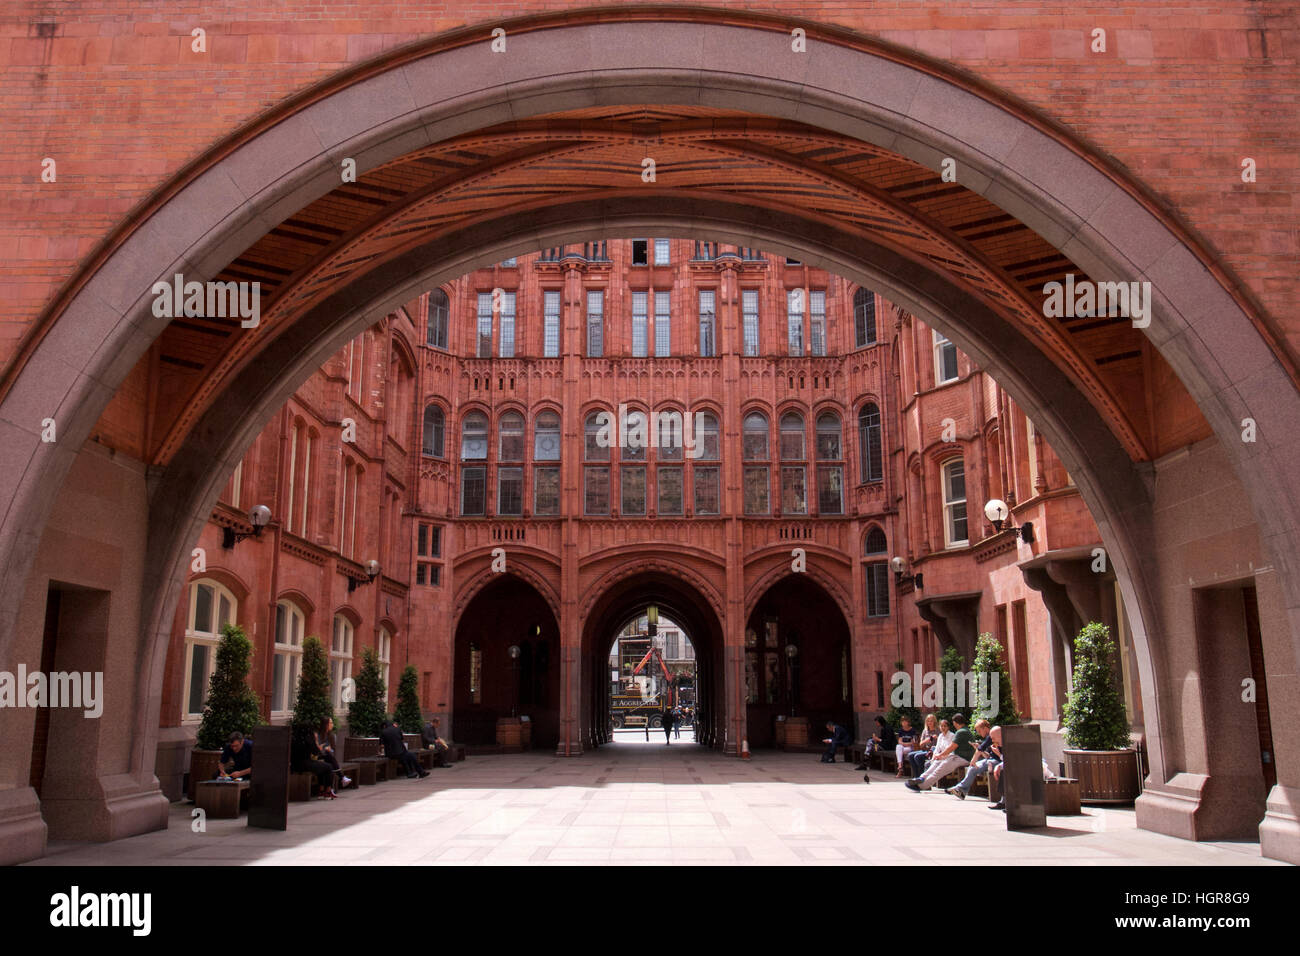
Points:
x=941, y=742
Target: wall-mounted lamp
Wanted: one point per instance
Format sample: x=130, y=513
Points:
x=259, y=518
x=899, y=566
x=997, y=511
x=372, y=572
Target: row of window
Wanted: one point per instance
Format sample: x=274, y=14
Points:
x=212, y=606
x=497, y=312
x=668, y=443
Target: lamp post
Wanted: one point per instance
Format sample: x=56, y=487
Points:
x=259, y=518
x=514, y=666
x=996, y=511
x=372, y=572
x=791, y=654
x=899, y=567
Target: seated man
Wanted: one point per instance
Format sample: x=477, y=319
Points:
x=395, y=748
x=839, y=737
x=434, y=742
x=236, y=758
x=988, y=754
x=956, y=755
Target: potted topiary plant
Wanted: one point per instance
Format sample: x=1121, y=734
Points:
x=231, y=705
x=367, y=710
x=313, y=704
x=951, y=662
x=1098, y=746
x=989, y=661
x=408, y=715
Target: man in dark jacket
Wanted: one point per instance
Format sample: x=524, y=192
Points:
x=433, y=740
x=395, y=749
x=839, y=737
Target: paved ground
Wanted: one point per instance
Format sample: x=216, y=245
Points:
x=651, y=803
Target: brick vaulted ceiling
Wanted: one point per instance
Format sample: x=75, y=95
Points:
x=596, y=153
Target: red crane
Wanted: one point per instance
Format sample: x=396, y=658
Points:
x=668, y=677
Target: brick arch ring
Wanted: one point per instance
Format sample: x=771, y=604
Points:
x=633, y=567
x=781, y=570
x=530, y=576
x=98, y=327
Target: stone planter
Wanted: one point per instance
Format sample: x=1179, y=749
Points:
x=354, y=747
x=1105, y=776
x=510, y=734
x=778, y=734
x=413, y=741
x=796, y=733
x=203, y=766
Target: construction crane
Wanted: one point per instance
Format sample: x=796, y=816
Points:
x=668, y=677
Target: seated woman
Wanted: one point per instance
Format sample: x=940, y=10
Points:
x=908, y=737
x=325, y=743
x=304, y=757
x=882, y=739
x=923, y=748
x=941, y=743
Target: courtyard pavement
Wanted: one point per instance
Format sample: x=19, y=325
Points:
x=633, y=802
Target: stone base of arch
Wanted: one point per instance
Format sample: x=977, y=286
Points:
x=22, y=828
x=1193, y=806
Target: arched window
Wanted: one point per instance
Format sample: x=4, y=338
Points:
x=875, y=542
x=439, y=310
x=289, y=623
x=546, y=437
x=828, y=437
x=596, y=437
x=754, y=447
x=864, y=318
x=634, y=435
x=792, y=437
x=870, y=445
x=754, y=440
x=707, y=441
x=435, y=426
x=954, y=503
x=511, y=437
x=340, y=659
x=212, y=607
x=385, y=654
x=830, y=478
x=794, y=477
x=474, y=437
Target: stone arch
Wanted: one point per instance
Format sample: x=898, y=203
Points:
x=1224, y=350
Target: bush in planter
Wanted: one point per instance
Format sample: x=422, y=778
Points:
x=231, y=705
x=408, y=701
x=313, y=703
x=952, y=662
x=1093, y=717
x=989, y=660
x=894, y=716
x=367, y=711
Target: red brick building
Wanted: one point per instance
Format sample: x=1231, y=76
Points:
x=801, y=431
x=954, y=157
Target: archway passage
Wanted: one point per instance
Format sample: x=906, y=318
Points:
x=797, y=666
x=675, y=599
x=491, y=682
x=652, y=679
x=178, y=400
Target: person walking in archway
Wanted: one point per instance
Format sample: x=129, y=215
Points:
x=666, y=715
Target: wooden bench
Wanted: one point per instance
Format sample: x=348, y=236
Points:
x=350, y=770
x=301, y=786
x=221, y=799
x=1061, y=796
x=371, y=770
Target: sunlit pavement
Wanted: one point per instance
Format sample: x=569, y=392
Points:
x=633, y=802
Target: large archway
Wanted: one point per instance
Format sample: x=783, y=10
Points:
x=687, y=598
x=1099, y=221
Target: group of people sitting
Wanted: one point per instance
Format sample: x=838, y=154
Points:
x=927, y=754
x=311, y=750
